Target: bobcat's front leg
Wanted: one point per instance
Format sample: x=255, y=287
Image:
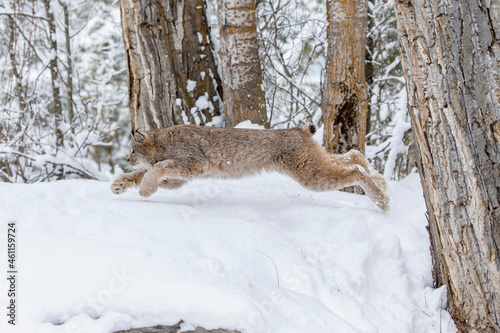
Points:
x=180, y=170
x=149, y=184
x=126, y=180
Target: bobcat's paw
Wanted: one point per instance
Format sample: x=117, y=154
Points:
x=383, y=203
x=380, y=181
x=148, y=185
x=377, y=178
x=145, y=192
x=120, y=185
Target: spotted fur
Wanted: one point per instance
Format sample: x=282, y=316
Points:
x=170, y=157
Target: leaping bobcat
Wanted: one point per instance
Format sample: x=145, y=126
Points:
x=170, y=157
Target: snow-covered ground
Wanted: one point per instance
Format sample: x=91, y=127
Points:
x=259, y=254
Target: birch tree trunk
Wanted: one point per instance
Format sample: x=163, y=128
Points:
x=345, y=97
x=451, y=58
x=240, y=63
x=171, y=69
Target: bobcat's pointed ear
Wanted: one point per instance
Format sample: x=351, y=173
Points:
x=132, y=132
x=138, y=136
x=143, y=138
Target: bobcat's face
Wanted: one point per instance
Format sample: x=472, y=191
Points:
x=140, y=154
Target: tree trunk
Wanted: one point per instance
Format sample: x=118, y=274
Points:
x=54, y=72
x=69, y=64
x=451, y=58
x=240, y=63
x=174, y=329
x=171, y=69
x=345, y=97
x=18, y=91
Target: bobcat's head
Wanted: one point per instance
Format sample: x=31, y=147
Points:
x=141, y=151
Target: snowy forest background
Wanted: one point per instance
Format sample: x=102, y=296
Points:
x=63, y=92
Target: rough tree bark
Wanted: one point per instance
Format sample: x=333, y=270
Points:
x=240, y=63
x=451, y=58
x=170, y=64
x=345, y=97
x=174, y=329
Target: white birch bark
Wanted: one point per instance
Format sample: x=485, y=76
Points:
x=240, y=63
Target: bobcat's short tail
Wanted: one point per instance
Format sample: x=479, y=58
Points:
x=308, y=129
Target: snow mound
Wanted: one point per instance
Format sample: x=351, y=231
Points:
x=249, y=125
x=259, y=254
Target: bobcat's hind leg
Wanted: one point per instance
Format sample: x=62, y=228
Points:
x=355, y=157
x=171, y=183
x=175, y=173
x=126, y=180
x=327, y=177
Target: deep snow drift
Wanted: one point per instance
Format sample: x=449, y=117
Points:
x=259, y=254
